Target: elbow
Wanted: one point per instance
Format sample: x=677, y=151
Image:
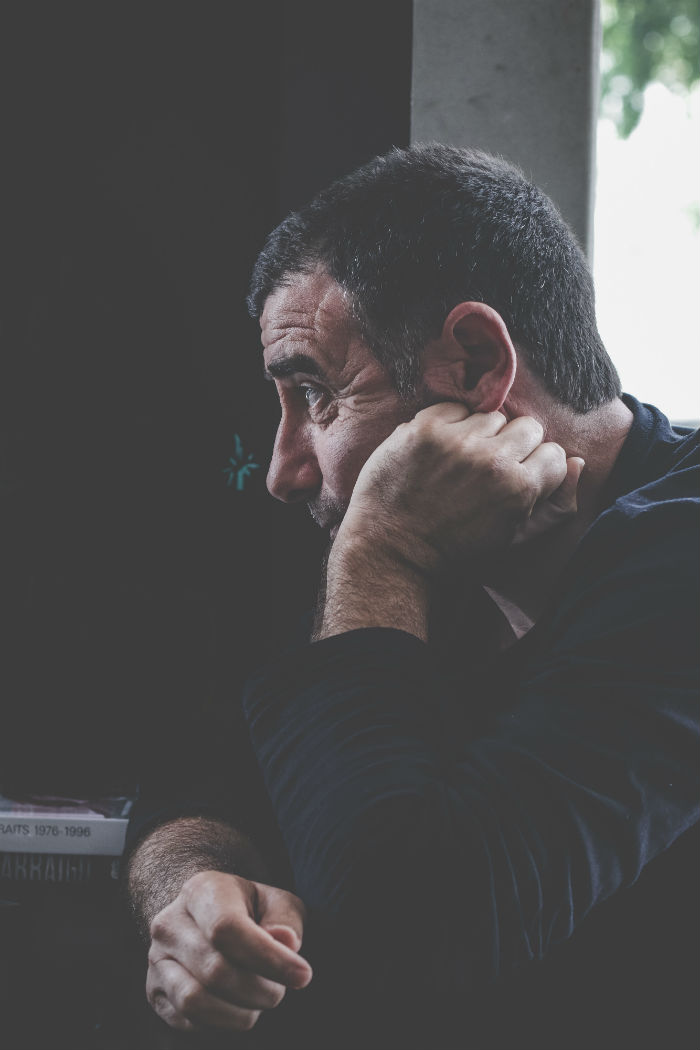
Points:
x=396, y=868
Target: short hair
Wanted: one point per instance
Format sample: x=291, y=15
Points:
x=413, y=233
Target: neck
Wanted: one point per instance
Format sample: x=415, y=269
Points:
x=527, y=574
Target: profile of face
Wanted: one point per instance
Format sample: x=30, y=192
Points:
x=338, y=402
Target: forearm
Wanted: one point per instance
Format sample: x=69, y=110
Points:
x=367, y=770
x=174, y=852
x=369, y=839
x=364, y=588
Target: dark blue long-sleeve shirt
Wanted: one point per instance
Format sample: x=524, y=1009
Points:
x=492, y=846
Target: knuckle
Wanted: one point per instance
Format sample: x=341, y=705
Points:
x=194, y=884
x=154, y=996
x=415, y=432
x=527, y=496
x=536, y=427
x=519, y=495
x=159, y=1005
x=222, y=929
x=298, y=903
x=214, y=970
x=189, y=999
x=497, y=469
x=159, y=927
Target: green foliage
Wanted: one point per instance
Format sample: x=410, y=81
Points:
x=644, y=41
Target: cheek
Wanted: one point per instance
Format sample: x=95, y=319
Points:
x=344, y=461
x=350, y=451
x=344, y=455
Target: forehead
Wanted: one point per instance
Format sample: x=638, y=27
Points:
x=309, y=313
x=314, y=299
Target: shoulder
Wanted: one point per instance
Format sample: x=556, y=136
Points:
x=634, y=578
x=657, y=497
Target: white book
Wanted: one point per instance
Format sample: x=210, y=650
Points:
x=58, y=825
x=19, y=871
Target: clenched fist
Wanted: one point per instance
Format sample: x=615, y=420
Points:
x=223, y=951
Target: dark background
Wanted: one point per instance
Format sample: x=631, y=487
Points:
x=147, y=149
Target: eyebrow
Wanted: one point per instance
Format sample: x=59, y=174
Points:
x=293, y=363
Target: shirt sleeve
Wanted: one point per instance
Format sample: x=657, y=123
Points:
x=442, y=865
x=212, y=772
x=204, y=766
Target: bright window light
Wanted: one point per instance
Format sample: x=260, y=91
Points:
x=647, y=251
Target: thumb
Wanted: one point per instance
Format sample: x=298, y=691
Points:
x=285, y=935
x=282, y=915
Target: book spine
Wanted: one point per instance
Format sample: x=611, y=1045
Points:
x=22, y=833
x=18, y=869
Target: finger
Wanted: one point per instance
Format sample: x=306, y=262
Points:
x=285, y=935
x=282, y=915
x=187, y=945
x=519, y=438
x=565, y=498
x=224, y=913
x=249, y=990
x=443, y=412
x=158, y=979
x=484, y=424
x=156, y=993
x=180, y=1000
x=545, y=469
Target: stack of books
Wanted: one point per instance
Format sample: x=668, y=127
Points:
x=61, y=841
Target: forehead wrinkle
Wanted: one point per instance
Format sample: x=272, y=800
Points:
x=313, y=313
x=334, y=321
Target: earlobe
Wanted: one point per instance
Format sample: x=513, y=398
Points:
x=474, y=359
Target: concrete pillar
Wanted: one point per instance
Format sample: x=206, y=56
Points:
x=515, y=77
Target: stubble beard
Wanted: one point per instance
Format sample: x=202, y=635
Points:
x=327, y=514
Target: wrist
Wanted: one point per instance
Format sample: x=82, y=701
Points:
x=371, y=562
x=370, y=586
x=174, y=852
x=386, y=546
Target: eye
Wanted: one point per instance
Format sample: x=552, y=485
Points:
x=312, y=395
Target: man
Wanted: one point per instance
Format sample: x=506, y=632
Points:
x=483, y=764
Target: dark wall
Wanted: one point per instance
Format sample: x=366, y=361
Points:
x=147, y=150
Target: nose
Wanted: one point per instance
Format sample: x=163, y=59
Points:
x=294, y=475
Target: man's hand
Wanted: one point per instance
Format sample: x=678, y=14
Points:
x=223, y=951
x=448, y=487
x=440, y=493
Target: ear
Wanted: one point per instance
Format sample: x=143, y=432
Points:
x=473, y=361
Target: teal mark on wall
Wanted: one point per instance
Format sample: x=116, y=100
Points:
x=239, y=466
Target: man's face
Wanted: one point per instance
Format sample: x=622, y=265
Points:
x=338, y=403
